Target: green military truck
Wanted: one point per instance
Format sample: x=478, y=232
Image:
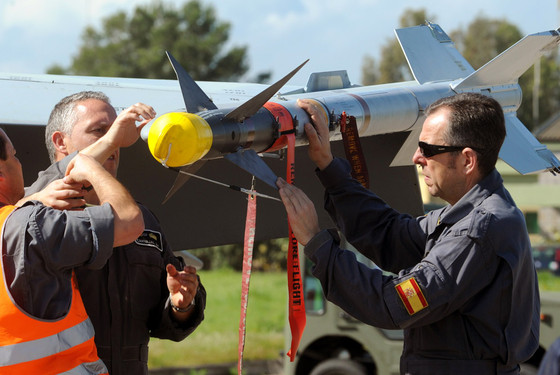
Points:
x=334, y=343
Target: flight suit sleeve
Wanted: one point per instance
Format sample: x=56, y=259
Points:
x=63, y=245
x=347, y=283
x=45, y=246
x=368, y=223
x=166, y=326
x=455, y=270
x=182, y=330
x=55, y=171
x=461, y=264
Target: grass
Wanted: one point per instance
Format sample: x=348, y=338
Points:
x=216, y=339
x=548, y=281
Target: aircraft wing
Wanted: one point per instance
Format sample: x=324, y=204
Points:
x=29, y=98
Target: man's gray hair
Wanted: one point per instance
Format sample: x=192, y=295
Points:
x=63, y=116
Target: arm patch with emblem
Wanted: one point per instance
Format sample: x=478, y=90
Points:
x=411, y=296
x=150, y=238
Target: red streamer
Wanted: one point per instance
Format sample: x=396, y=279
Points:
x=250, y=224
x=296, y=313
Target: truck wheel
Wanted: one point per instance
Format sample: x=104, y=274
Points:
x=339, y=367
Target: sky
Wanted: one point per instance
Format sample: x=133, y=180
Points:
x=279, y=34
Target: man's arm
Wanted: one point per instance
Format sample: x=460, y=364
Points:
x=128, y=222
x=302, y=214
x=317, y=132
x=123, y=133
x=59, y=195
x=166, y=323
x=183, y=286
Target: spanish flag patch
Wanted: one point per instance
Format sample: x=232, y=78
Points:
x=411, y=296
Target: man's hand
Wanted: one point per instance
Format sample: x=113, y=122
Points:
x=302, y=215
x=60, y=195
x=125, y=131
x=127, y=216
x=317, y=131
x=182, y=286
x=81, y=168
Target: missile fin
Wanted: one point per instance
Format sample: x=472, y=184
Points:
x=507, y=67
x=407, y=150
x=523, y=152
x=252, y=163
x=195, y=99
x=431, y=54
x=182, y=178
x=251, y=106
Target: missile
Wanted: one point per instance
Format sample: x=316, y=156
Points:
x=205, y=132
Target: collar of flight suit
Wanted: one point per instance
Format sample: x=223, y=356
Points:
x=474, y=198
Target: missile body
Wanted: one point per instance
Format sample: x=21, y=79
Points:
x=377, y=109
x=260, y=124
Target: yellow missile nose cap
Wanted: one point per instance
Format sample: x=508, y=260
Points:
x=178, y=138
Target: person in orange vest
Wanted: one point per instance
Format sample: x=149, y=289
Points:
x=44, y=327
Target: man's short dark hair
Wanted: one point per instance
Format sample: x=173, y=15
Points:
x=476, y=121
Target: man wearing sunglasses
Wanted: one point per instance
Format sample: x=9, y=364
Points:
x=462, y=285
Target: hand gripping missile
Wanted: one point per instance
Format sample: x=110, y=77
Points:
x=187, y=139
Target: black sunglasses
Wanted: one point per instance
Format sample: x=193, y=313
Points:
x=427, y=150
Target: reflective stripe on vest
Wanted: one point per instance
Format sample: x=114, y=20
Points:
x=97, y=367
x=46, y=346
x=32, y=345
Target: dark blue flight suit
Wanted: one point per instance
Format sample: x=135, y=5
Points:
x=463, y=284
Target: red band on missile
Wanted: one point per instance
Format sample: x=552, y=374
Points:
x=284, y=118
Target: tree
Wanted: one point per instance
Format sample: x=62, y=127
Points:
x=486, y=38
x=134, y=46
x=370, y=75
x=393, y=66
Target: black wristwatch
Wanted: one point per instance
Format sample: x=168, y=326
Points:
x=178, y=309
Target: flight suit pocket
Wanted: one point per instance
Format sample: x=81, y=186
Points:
x=146, y=276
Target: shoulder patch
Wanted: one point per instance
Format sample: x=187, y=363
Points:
x=150, y=238
x=411, y=296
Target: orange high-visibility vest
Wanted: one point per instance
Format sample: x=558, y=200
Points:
x=30, y=345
